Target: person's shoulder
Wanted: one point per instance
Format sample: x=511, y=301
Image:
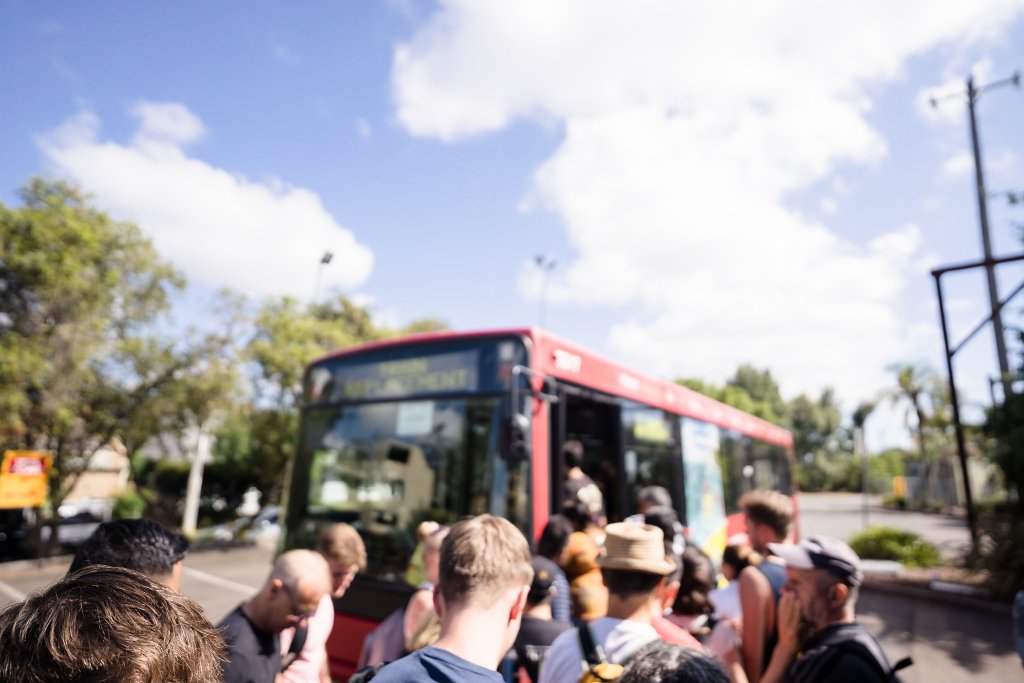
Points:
x=234, y=624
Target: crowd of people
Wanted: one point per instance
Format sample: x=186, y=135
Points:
x=628, y=601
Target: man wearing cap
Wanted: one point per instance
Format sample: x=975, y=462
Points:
x=823, y=579
x=634, y=568
x=538, y=629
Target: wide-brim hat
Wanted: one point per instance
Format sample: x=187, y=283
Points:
x=635, y=548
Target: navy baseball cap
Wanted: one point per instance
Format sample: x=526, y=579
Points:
x=822, y=552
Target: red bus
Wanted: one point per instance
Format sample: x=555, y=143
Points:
x=443, y=425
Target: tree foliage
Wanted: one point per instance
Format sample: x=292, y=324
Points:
x=79, y=292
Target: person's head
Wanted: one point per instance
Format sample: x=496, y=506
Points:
x=769, y=517
x=697, y=582
x=543, y=585
x=485, y=567
x=634, y=563
x=736, y=557
x=666, y=519
x=343, y=548
x=665, y=663
x=555, y=538
x=292, y=592
x=103, y=624
x=825, y=576
x=652, y=497
x=572, y=451
x=137, y=544
x=432, y=553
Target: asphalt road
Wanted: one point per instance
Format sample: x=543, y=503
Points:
x=841, y=515
x=217, y=579
x=949, y=642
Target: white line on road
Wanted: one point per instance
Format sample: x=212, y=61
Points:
x=217, y=581
x=12, y=592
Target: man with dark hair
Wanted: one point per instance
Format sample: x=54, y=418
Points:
x=634, y=568
x=824, y=577
x=664, y=663
x=291, y=594
x=106, y=623
x=769, y=519
x=538, y=629
x=553, y=542
x=653, y=497
x=484, y=578
x=139, y=544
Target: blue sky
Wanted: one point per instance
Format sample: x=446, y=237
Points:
x=718, y=184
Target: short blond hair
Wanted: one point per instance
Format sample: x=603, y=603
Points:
x=341, y=543
x=481, y=557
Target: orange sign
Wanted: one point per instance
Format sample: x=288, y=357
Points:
x=24, y=478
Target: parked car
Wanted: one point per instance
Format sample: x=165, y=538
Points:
x=73, y=530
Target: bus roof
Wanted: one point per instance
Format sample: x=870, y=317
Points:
x=555, y=357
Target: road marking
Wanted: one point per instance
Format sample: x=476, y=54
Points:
x=217, y=581
x=12, y=592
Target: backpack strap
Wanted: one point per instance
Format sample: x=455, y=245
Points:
x=298, y=642
x=592, y=653
x=864, y=653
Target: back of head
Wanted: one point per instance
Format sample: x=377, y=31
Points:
x=555, y=537
x=654, y=496
x=664, y=663
x=697, y=582
x=482, y=557
x=573, y=453
x=108, y=625
x=740, y=556
x=302, y=570
x=341, y=543
x=771, y=509
x=139, y=544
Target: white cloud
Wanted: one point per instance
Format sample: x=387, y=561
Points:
x=687, y=125
x=961, y=164
x=221, y=228
x=829, y=206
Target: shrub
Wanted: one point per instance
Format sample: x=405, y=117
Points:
x=129, y=504
x=894, y=501
x=887, y=543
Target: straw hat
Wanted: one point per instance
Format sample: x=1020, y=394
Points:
x=636, y=548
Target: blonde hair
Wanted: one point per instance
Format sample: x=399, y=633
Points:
x=481, y=557
x=341, y=543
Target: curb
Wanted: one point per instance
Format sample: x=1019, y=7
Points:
x=980, y=603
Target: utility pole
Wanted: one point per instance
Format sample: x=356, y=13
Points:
x=993, y=291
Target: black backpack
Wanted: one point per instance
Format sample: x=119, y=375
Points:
x=853, y=640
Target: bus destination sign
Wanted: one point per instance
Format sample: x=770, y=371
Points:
x=435, y=374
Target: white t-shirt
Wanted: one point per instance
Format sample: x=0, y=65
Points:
x=618, y=638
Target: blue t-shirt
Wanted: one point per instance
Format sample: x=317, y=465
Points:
x=435, y=664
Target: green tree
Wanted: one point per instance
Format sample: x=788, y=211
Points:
x=763, y=391
x=78, y=294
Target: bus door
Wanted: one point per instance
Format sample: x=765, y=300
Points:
x=650, y=454
x=593, y=419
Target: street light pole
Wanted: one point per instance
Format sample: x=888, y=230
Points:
x=324, y=260
x=546, y=265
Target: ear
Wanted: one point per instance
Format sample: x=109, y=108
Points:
x=842, y=592
x=275, y=586
x=438, y=602
x=668, y=595
x=519, y=604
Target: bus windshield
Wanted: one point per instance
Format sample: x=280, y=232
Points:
x=387, y=466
